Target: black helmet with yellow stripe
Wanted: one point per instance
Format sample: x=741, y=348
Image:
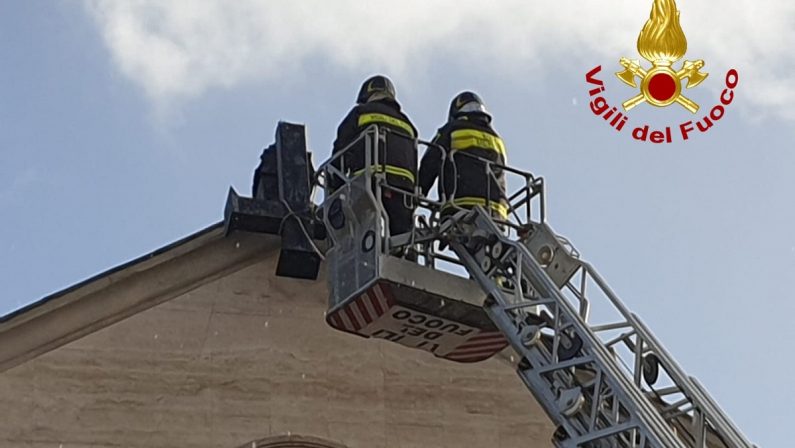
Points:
x=468, y=103
x=376, y=88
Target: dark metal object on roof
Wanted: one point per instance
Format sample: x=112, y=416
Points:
x=282, y=203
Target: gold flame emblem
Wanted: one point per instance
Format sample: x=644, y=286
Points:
x=662, y=42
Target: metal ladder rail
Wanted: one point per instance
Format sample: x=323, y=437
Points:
x=642, y=415
x=703, y=405
x=546, y=390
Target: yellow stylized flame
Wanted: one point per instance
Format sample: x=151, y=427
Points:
x=662, y=40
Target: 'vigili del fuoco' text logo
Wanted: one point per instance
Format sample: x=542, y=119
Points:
x=663, y=43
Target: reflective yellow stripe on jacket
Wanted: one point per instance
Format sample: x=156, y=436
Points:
x=390, y=169
x=470, y=202
x=366, y=119
x=470, y=138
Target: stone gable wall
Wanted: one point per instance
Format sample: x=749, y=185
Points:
x=249, y=357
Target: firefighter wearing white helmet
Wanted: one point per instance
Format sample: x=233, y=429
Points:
x=466, y=138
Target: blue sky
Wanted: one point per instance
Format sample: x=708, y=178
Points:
x=122, y=124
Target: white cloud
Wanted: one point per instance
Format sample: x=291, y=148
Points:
x=179, y=49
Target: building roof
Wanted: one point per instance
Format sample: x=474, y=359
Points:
x=244, y=357
x=127, y=289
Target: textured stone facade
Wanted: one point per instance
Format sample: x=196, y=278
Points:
x=249, y=357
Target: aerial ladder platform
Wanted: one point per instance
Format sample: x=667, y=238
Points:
x=466, y=286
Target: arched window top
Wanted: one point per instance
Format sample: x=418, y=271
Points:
x=292, y=441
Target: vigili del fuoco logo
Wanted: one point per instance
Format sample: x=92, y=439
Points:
x=663, y=43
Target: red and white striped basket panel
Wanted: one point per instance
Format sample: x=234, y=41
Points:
x=477, y=348
x=367, y=308
x=376, y=313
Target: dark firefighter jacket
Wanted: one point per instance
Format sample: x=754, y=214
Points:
x=465, y=182
x=399, y=153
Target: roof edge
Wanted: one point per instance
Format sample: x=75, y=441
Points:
x=128, y=289
x=155, y=257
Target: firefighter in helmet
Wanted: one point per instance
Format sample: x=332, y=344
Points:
x=377, y=104
x=460, y=148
